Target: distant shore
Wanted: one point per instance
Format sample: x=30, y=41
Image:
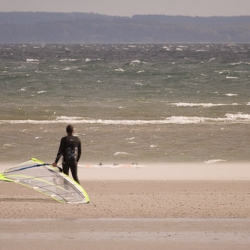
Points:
x=37, y=27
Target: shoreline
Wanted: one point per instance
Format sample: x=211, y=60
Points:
x=159, y=171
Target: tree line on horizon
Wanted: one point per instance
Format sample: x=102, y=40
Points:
x=47, y=27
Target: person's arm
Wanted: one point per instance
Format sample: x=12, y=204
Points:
x=79, y=151
x=59, y=154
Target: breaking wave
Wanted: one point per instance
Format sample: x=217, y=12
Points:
x=228, y=118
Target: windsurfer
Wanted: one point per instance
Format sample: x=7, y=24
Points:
x=70, y=149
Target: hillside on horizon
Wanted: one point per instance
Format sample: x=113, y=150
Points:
x=48, y=27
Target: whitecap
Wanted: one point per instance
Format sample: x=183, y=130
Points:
x=121, y=153
x=166, y=48
x=205, y=105
x=185, y=120
x=68, y=118
x=119, y=70
x=67, y=68
x=229, y=118
x=131, y=138
x=212, y=59
x=223, y=72
x=238, y=116
x=32, y=60
x=232, y=77
x=67, y=60
x=42, y=91
x=230, y=94
x=238, y=63
x=136, y=61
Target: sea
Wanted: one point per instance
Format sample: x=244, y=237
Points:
x=128, y=103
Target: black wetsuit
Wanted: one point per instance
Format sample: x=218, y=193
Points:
x=70, y=149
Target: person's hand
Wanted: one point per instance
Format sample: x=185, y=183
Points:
x=54, y=164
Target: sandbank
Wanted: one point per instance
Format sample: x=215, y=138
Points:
x=171, y=206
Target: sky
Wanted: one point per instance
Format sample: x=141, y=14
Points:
x=133, y=7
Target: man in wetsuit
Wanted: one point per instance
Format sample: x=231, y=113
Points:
x=70, y=149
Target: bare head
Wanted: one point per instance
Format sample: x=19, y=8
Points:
x=69, y=129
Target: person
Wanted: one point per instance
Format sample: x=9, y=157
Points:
x=70, y=149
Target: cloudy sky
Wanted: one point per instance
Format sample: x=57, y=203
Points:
x=132, y=7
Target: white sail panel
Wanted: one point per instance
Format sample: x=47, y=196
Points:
x=47, y=180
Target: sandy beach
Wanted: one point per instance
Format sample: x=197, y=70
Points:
x=135, y=209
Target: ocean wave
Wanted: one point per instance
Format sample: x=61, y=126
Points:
x=42, y=91
x=136, y=61
x=68, y=60
x=119, y=70
x=239, y=63
x=32, y=60
x=238, y=116
x=205, y=105
x=230, y=94
x=232, y=77
x=70, y=68
x=228, y=118
x=122, y=153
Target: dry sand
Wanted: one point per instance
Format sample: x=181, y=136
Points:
x=135, y=209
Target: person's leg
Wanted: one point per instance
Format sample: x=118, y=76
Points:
x=65, y=168
x=73, y=168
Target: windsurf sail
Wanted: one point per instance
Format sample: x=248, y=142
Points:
x=47, y=180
